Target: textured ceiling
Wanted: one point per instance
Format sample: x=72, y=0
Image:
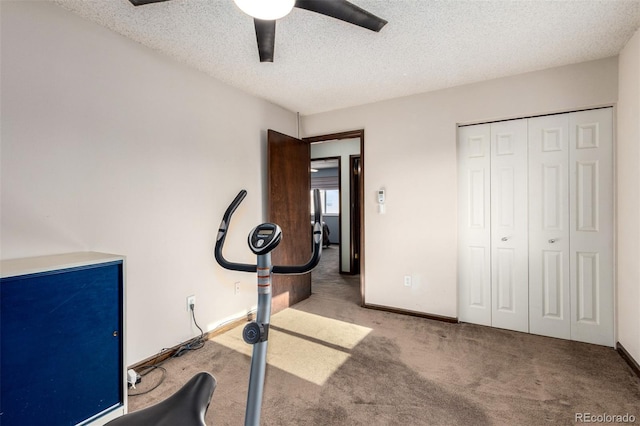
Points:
x=324, y=64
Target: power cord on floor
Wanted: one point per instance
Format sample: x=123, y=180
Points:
x=195, y=343
x=192, y=345
x=147, y=370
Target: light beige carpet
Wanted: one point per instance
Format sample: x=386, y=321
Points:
x=332, y=362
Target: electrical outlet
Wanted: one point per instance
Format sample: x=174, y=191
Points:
x=237, y=289
x=191, y=300
x=407, y=280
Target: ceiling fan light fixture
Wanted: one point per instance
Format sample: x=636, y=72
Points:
x=266, y=9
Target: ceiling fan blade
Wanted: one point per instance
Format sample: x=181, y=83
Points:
x=143, y=2
x=266, y=37
x=345, y=11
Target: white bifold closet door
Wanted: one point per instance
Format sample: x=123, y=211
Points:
x=549, y=267
x=509, y=226
x=474, y=223
x=536, y=225
x=591, y=238
x=493, y=265
x=571, y=226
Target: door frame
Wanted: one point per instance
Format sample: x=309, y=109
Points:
x=352, y=135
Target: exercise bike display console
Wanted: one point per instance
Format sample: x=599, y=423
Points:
x=262, y=240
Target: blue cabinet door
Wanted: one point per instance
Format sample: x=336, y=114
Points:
x=61, y=347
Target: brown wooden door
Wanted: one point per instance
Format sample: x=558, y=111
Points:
x=288, y=206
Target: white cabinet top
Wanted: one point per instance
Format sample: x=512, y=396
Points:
x=34, y=265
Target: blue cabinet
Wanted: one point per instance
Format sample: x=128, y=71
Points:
x=62, y=341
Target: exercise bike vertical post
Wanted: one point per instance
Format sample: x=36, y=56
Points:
x=259, y=355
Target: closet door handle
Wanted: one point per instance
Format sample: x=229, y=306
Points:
x=504, y=238
x=553, y=240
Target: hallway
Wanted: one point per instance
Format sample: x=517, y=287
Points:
x=327, y=282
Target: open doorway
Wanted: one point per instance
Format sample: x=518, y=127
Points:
x=288, y=203
x=338, y=159
x=325, y=177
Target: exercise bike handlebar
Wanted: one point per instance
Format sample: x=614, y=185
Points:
x=276, y=269
x=222, y=234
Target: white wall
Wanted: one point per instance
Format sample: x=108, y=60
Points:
x=342, y=148
x=628, y=197
x=410, y=149
x=109, y=146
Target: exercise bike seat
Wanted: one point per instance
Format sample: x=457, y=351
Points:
x=186, y=407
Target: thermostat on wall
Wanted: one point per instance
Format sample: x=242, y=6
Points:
x=381, y=198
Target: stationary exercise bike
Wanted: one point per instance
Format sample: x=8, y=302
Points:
x=262, y=240
x=188, y=406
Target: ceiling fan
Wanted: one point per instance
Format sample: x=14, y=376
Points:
x=265, y=13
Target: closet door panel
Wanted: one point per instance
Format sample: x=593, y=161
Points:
x=509, y=233
x=591, y=222
x=549, y=279
x=474, y=245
